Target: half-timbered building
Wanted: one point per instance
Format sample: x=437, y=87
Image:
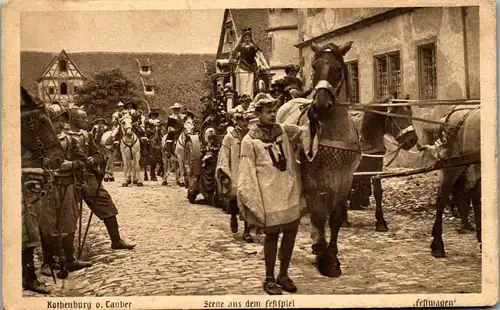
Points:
x=60, y=80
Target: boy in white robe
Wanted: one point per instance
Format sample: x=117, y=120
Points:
x=269, y=190
x=227, y=170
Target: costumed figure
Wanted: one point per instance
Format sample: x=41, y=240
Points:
x=94, y=194
x=60, y=213
x=249, y=59
x=154, y=131
x=269, y=189
x=118, y=114
x=227, y=170
x=33, y=183
x=175, y=124
x=292, y=84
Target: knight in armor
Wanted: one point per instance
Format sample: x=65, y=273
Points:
x=175, y=123
x=118, y=114
x=249, y=60
x=60, y=213
x=96, y=197
x=227, y=169
x=293, y=84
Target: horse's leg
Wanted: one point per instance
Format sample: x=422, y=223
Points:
x=126, y=169
x=165, y=168
x=137, y=174
x=345, y=217
x=153, y=168
x=330, y=266
x=476, y=203
x=318, y=220
x=380, y=225
x=446, y=183
x=111, y=166
x=180, y=161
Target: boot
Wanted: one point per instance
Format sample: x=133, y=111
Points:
x=30, y=281
x=117, y=243
x=69, y=249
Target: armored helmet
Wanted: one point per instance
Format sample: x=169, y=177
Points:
x=56, y=110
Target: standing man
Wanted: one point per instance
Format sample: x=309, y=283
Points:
x=60, y=214
x=269, y=190
x=96, y=197
x=227, y=170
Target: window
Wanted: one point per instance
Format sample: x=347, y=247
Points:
x=51, y=90
x=64, y=89
x=62, y=65
x=427, y=71
x=75, y=89
x=388, y=75
x=352, y=71
x=149, y=88
x=145, y=68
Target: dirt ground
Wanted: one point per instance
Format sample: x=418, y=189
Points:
x=189, y=249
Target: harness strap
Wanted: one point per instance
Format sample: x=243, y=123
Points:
x=340, y=145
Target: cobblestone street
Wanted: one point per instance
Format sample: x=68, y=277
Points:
x=188, y=249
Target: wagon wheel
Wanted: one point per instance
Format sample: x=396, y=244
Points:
x=191, y=166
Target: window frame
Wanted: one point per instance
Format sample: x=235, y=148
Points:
x=65, y=88
x=356, y=93
x=65, y=62
x=420, y=69
x=387, y=57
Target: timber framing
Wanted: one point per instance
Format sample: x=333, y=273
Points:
x=358, y=25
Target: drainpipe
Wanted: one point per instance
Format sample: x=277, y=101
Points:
x=466, y=54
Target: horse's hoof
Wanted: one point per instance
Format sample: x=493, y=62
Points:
x=381, y=227
x=125, y=185
x=164, y=183
x=129, y=181
x=146, y=179
x=328, y=266
x=139, y=184
x=437, y=252
x=135, y=182
x=154, y=179
x=464, y=229
x=346, y=224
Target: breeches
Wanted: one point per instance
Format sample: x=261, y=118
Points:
x=31, y=214
x=60, y=213
x=99, y=202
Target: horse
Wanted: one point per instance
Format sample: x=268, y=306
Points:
x=130, y=148
x=372, y=127
x=178, y=155
x=40, y=146
x=155, y=141
x=329, y=160
x=463, y=138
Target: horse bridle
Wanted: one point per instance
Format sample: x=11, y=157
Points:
x=40, y=152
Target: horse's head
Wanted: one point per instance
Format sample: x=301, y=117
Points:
x=329, y=74
x=37, y=132
x=189, y=126
x=127, y=126
x=401, y=128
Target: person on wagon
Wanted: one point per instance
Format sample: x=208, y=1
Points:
x=227, y=169
x=269, y=189
x=293, y=84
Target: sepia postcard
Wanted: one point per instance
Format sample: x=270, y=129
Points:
x=243, y=154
